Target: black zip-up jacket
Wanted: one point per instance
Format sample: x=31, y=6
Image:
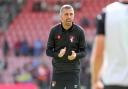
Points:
x=74, y=40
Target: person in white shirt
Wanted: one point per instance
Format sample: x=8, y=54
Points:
x=109, y=60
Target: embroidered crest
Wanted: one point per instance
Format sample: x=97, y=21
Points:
x=58, y=37
x=71, y=39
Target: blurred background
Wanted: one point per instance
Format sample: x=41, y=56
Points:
x=24, y=30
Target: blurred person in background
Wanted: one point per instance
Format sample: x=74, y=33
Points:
x=84, y=22
x=2, y=68
x=6, y=50
x=66, y=44
x=4, y=15
x=40, y=73
x=109, y=62
x=24, y=48
x=23, y=75
x=42, y=76
x=38, y=47
x=17, y=46
x=40, y=5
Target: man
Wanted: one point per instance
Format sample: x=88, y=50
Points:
x=66, y=44
x=109, y=61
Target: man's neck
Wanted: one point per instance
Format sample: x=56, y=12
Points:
x=66, y=27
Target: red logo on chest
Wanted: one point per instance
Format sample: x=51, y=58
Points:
x=58, y=37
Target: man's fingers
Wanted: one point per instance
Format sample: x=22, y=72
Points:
x=69, y=58
x=62, y=52
x=73, y=51
x=64, y=48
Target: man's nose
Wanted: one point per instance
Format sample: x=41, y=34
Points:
x=69, y=16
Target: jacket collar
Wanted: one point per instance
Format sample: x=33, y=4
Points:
x=70, y=29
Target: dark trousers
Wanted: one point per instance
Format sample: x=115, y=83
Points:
x=115, y=87
x=65, y=81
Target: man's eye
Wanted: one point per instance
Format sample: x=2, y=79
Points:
x=66, y=14
x=71, y=14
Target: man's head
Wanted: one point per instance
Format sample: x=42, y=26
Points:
x=67, y=15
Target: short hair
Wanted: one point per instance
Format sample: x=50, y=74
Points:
x=66, y=6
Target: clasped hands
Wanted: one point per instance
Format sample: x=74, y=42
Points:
x=70, y=57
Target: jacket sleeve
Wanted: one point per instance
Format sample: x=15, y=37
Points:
x=82, y=45
x=50, y=50
x=100, y=20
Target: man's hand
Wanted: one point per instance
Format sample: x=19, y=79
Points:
x=62, y=52
x=72, y=56
x=98, y=85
